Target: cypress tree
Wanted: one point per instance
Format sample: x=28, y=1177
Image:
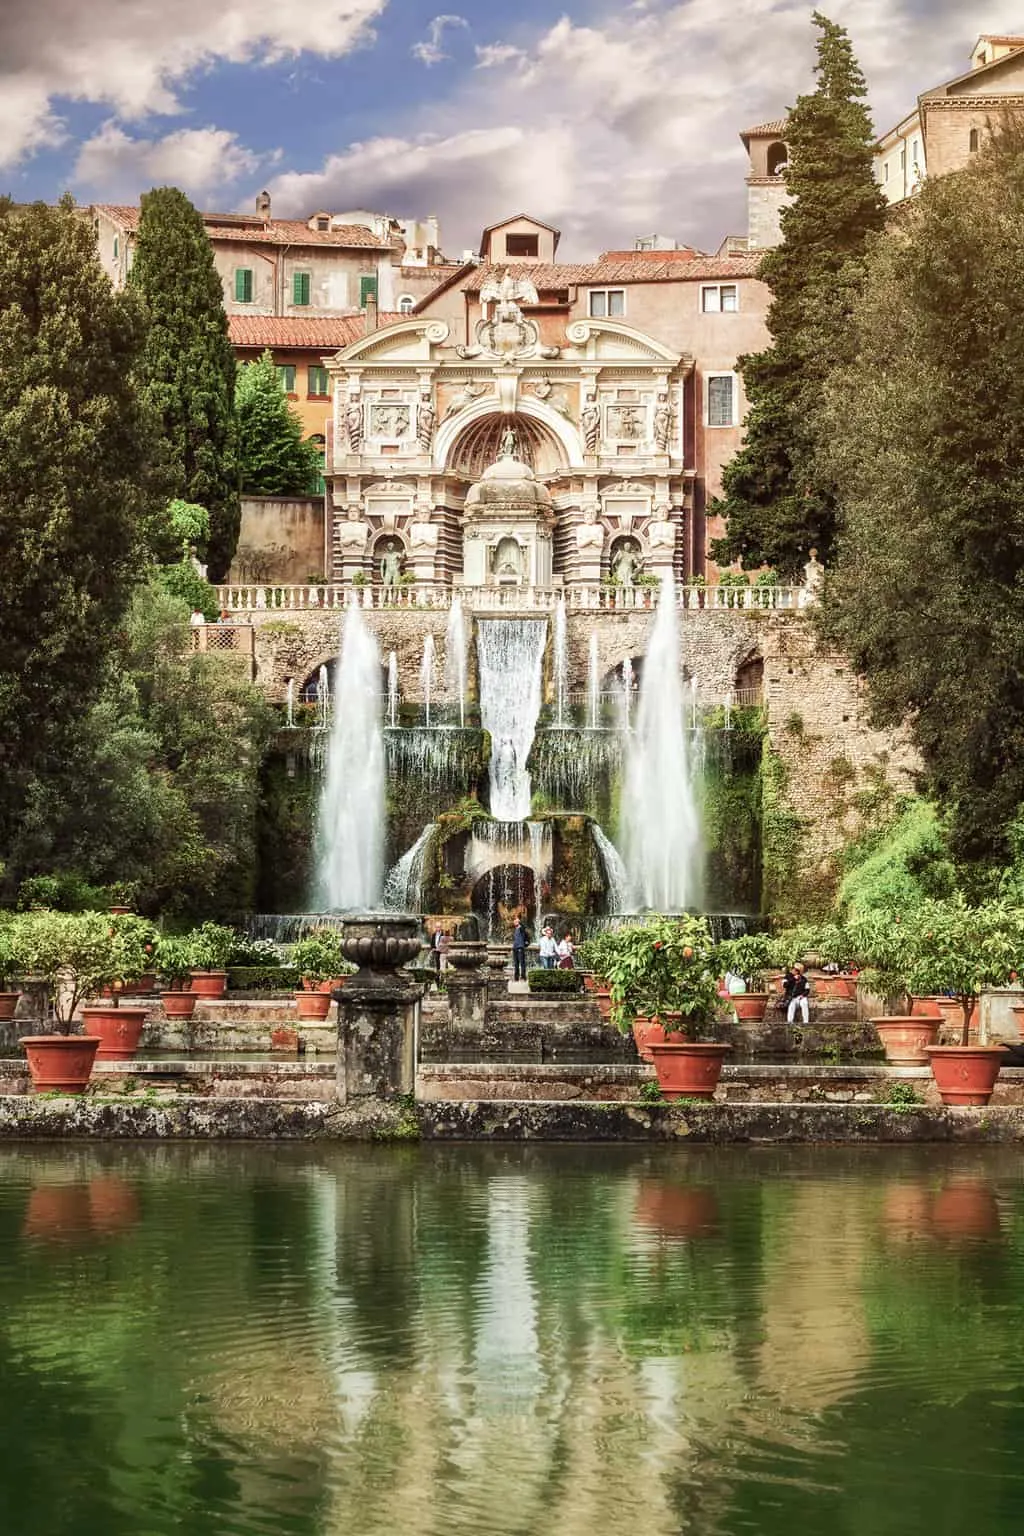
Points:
x=188, y=367
x=778, y=499
x=77, y=499
x=274, y=458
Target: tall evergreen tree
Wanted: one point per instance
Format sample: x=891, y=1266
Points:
x=77, y=503
x=777, y=498
x=274, y=458
x=188, y=367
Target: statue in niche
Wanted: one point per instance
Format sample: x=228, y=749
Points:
x=590, y=424
x=626, y=564
x=662, y=424
x=426, y=420
x=354, y=426
x=391, y=567
x=508, y=560
x=507, y=449
x=814, y=578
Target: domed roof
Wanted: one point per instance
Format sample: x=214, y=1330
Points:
x=508, y=483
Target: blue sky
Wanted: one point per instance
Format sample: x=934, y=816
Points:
x=608, y=120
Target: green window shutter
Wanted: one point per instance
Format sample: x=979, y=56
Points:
x=300, y=287
x=367, y=290
x=243, y=285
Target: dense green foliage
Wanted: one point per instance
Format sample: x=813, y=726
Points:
x=899, y=863
x=777, y=499
x=555, y=982
x=927, y=432
x=77, y=503
x=318, y=957
x=188, y=366
x=273, y=456
x=77, y=954
x=663, y=965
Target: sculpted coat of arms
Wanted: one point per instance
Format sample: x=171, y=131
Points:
x=505, y=332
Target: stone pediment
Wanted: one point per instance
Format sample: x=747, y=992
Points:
x=611, y=341
x=407, y=341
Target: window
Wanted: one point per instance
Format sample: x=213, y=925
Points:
x=522, y=245
x=286, y=373
x=321, y=447
x=721, y=388
x=367, y=290
x=300, y=288
x=607, y=303
x=885, y=171
x=405, y=304
x=323, y=224
x=720, y=298
x=243, y=285
x=903, y=158
x=973, y=143
x=117, y=247
x=317, y=381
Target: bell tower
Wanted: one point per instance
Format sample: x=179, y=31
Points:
x=766, y=183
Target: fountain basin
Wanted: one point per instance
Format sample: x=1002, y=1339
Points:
x=379, y=944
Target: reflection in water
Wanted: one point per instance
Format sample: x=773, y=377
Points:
x=510, y=1340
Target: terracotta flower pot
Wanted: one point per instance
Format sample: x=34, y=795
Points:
x=966, y=1210
x=925, y=1008
x=677, y=1210
x=965, y=1074
x=284, y=1039
x=59, y=1211
x=907, y=1039
x=178, y=1005
x=750, y=1006
x=603, y=999
x=646, y=1032
x=952, y=1013
x=113, y=1205
x=312, y=1005
x=330, y=986
x=60, y=1063
x=1017, y=1010
x=142, y=985
x=119, y=1030
x=826, y=984
x=209, y=983
x=8, y=1006
x=688, y=1070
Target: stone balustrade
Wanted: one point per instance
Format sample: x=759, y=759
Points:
x=508, y=599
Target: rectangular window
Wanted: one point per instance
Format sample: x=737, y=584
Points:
x=243, y=285
x=117, y=247
x=721, y=400
x=607, y=303
x=300, y=288
x=317, y=381
x=286, y=373
x=521, y=245
x=720, y=298
x=367, y=290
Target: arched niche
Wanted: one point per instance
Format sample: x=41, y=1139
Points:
x=480, y=445
x=777, y=159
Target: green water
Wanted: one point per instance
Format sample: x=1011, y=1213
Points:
x=510, y=1342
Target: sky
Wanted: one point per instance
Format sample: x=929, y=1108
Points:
x=608, y=120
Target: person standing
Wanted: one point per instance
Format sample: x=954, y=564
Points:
x=548, y=949
x=565, y=951
x=520, y=941
x=799, y=995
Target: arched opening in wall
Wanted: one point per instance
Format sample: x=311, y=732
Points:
x=480, y=446
x=388, y=559
x=323, y=676
x=778, y=159
x=406, y=304
x=748, y=687
x=974, y=143
x=625, y=560
x=501, y=895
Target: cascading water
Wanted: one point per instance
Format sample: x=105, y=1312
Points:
x=619, y=897
x=455, y=658
x=593, y=684
x=427, y=674
x=350, y=819
x=289, y=704
x=510, y=654
x=392, y=690
x=627, y=694
x=403, y=888
x=323, y=701
x=660, y=821
x=561, y=661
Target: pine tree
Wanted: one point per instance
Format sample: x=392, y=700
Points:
x=777, y=499
x=273, y=456
x=78, y=505
x=188, y=367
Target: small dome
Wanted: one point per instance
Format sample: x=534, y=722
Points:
x=508, y=468
x=508, y=484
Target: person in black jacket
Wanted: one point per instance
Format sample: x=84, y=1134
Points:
x=799, y=995
x=520, y=941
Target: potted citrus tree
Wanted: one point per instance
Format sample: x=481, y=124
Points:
x=76, y=954
x=836, y=954
x=8, y=996
x=960, y=950
x=662, y=982
x=211, y=945
x=321, y=965
x=886, y=942
x=593, y=955
x=748, y=957
x=175, y=959
x=119, y=1027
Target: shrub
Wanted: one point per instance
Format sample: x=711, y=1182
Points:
x=211, y=945
x=61, y=893
x=263, y=978
x=174, y=957
x=748, y=956
x=665, y=965
x=246, y=951
x=76, y=953
x=556, y=981
x=318, y=956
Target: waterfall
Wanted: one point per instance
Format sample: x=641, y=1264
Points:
x=592, y=683
x=455, y=658
x=561, y=661
x=403, y=888
x=392, y=690
x=616, y=879
x=427, y=674
x=511, y=656
x=350, y=819
x=443, y=758
x=659, y=812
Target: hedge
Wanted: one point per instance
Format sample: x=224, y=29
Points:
x=555, y=981
x=263, y=978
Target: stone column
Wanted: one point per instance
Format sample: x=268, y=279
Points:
x=466, y=981
x=378, y=1008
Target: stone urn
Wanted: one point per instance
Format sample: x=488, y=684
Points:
x=379, y=944
x=467, y=954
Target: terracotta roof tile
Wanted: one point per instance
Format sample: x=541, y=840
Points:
x=766, y=130
x=309, y=332
x=619, y=270
x=221, y=226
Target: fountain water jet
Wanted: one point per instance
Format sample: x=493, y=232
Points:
x=427, y=673
x=455, y=657
x=561, y=661
x=392, y=690
x=511, y=657
x=350, y=818
x=593, y=684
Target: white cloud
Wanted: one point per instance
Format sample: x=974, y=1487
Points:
x=430, y=50
x=201, y=161
x=629, y=122
x=133, y=55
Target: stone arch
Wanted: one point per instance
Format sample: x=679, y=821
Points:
x=748, y=683
x=777, y=159
x=558, y=434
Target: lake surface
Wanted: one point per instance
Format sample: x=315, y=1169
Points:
x=539, y=1341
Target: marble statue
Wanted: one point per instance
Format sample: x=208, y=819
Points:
x=814, y=579
x=626, y=565
x=590, y=425
x=391, y=566
x=662, y=424
x=507, y=449
x=426, y=419
x=470, y=391
x=354, y=426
